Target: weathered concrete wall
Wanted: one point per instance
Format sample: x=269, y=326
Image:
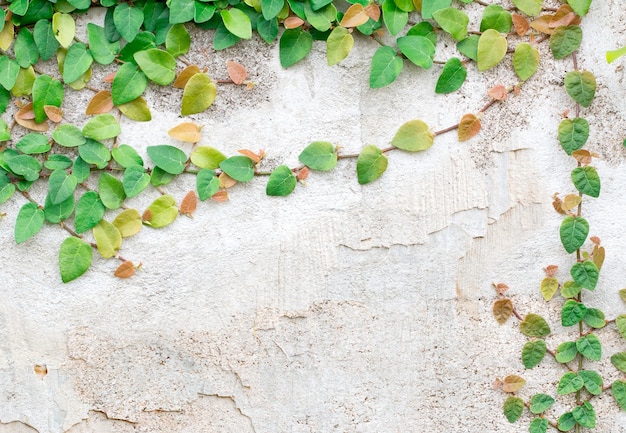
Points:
x=342, y=308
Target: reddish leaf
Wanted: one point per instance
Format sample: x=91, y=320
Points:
x=292, y=22
x=595, y=240
x=498, y=92
x=109, y=78
x=255, y=157
x=236, y=72
x=147, y=215
x=564, y=16
x=125, y=270
x=551, y=270
x=102, y=102
x=26, y=117
x=53, y=112
x=25, y=112
x=41, y=371
x=373, y=11
x=189, y=204
x=303, y=173
x=501, y=288
x=583, y=156
x=521, y=24
x=468, y=127
x=220, y=196
x=558, y=204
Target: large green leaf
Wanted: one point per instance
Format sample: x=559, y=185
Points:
x=538, y=425
x=101, y=127
x=78, y=60
x=573, y=134
x=418, y=49
x=33, y=143
x=9, y=70
x=111, y=191
x=129, y=83
x=198, y=95
x=126, y=156
x=452, y=76
x=127, y=20
x=539, y=403
x=371, y=164
x=492, y=48
x=495, y=17
x=581, y=86
x=585, y=274
x=46, y=91
x=570, y=382
x=271, y=8
x=533, y=352
x=239, y=167
x=413, y=136
x=25, y=166
x=55, y=213
x=177, y=41
x=453, y=21
x=294, y=46
x=319, y=155
x=94, y=152
x=534, y=325
x=45, y=40
x=25, y=49
x=237, y=22
x=525, y=60
x=573, y=233
x=68, y=135
x=158, y=65
x=565, y=40
x=282, y=182
x=74, y=258
x=61, y=186
x=566, y=352
x=207, y=184
x=168, y=158
x=572, y=312
x=89, y=211
x=101, y=49
x=513, y=408
x=181, y=11
x=395, y=19
x=590, y=347
x=586, y=180
x=593, y=381
x=386, y=66
x=135, y=180
x=29, y=221
x=585, y=415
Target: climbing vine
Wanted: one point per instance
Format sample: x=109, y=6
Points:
x=89, y=175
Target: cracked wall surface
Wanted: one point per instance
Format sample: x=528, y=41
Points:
x=341, y=308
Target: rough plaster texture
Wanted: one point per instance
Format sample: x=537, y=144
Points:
x=342, y=308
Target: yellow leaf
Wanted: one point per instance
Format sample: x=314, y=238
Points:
x=187, y=131
x=513, y=383
x=102, y=102
x=64, y=28
x=137, y=109
x=570, y=202
x=108, y=238
x=355, y=16
x=185, y=75
x=128, y=222
x=6, y=35
x=468, y=127
x=198, y=95
x=598, y=256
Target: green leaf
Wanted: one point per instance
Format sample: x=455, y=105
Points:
x=418, y=49
x=319, y=155
x=127, y=20
x=55, y=213
x=19, y=7
x=538, y=425
x=532, y=353
x=162, y=212
x=129, y=83
x=619, y=361
x=424, y=29
x=534, y=325
x=529, y=7
x=33, y=143
x=29, y=221
x=237, y=22
x=177, y=41
x=294, y=46
x=495, y=17
x=207, y=157
x=57, y=161
x=137, y=109
x=94, y=152
x=549, y=286
x=101, y=49
x=580, y=7
x=566, y=422
x=158, y=65
x=585, y=415
x=565, y=40
x=572, y=312
x=371, y=164
x=168, y=158
x=89, y=211
x=68, y=136
x=74, y=258
x=198, y=95
x=160, y=177
x=135, y=180
x=573, y=134
x=581, y=86
x=322, y=18
x=492, y=48
x=143, y=41
x=128, y=222
x=25, y=166
x=620, y=321
x=573, y=233
x=101, y=127
x=282, y=182
x=565, y=352
x=394, y=18
x=203, y=12
x=586, y=180
x=24, y=83
x=590, y=347
x=386, y=66
x=619, y=392
x=9, y=70
x=267, y=29
x=585, y=274
x=25, y=49
x=413, y=136
x=613, y=55
x=181, y=11
x=45, y=40
x=77, y=61
x=64, y=28
x=593, y=381
x=6, y=190
x=452, y=76
x=469, y=47
x=525, y=60
x=223, y=39
x=239, y=167
x=81, y=170
x=108, y=238
x=453, y=21
x=271, y=8
x=431, y=6
x=61, y=186
x=594, y=318
x=513, y=408
x=570, y=382
x=207, y=184
x=539, y=403
x=126, y=156
x=46, y=91
x=111, y=191
x=338, y=45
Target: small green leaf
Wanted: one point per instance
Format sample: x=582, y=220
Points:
x=549, y=286
x=453, y=21
x=267, y=29
x=590, y=347
x=573, y=233
x=593, y=381
x=619, y=361
x=613, y=55
x=581, y=86
x=81, y=170
x=128, y=222
x=160, y=177
x=78, y=60
x=111, y=191
x=57, y=161
x=282, y=182
x=101, y=127
x=585, y=274
x=25, y=49
x=237, y=22
x=61, y=186
x=101, y=49
x=158, y=65
x=371, y=164
x=198, y=95
x=162, y=212
x=177, y=41
x=25, y=166
x=452, y=76
x=55, y=213
x=294, y=46
x=418, y=49
x=319, y=155
x=413, y=136
x=239, y=167
x=168, y=158
x=529, y=7
x=271, y=8
x=620, y=321
x=538, y=425
x=573, y=134
x=539, y=403
x=495, y=17
x=570, y=382
x=207, y=157
x=45, y=40
x=565, y=40
x=33, y=143
x=29, y=221
x=619, y=392
x=395, y=19
x=74, y=258
x=338, y=45
x=594, y=318
x=585, y=415
x=135, y=180
x=492, y=48
x=129, y=83
x=532, y=353
x=513, y=408
x=9, y=70
x=572, y=312
x=68, y=136
x=94, y=152
x=565, y=352
x=126, y=156
x=181, y=11
x=322, y=18
x=386, y=66
x=108, y=238
x=566, y=422
x=534, y=325
x=469, y=47
x=586, y=180
x=525, y=60
x=431, y=6
x=89, y=211
x=46, y=91
x=207, y=184
x=127, y=20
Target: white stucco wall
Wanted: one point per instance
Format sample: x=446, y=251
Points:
x=341, y=308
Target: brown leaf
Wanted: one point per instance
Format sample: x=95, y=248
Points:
x=583, y=156
x=570, y=201
x=558, y=204
x=292, y=22
x=497, y=384
x=41, y=371
x=226, y=181
x=303, y=173
x=355, y=16
x=502, y=310
x=565, y=20
x=236, y=72
x=147, y=215
x=25, y=112
x=255, y=157
x=551, y=270
x=53, y=112
x=109, y=78
x=468, y=127
x=125, y=270
x=542, y=24
x=102, y=102
x=220, y=196
x=521, y=24
x=595, y=240
x=498, y=92
x=517, y=90
x=186, y=131
x=501, y=288
x=185, y=75
x=598, y=256
x=513, y=383
x=373, y=11
x=565, y=11
x=26, y=117
x=189, y=204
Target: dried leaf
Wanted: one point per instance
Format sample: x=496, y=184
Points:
x=595, y=240
x=497, y=384
x=355, y=16
x=558, y=204
x=468, y=127
x=41, y=371
x=186, y=131
x=583, y=156
x=551, y=270
x=542, y=24
x=501, y=288
x=498, y=92
x=517, y=90
x=502, y=310
x=109, y=78
x=236, y=72
x=185, y=75
x=31, y=124
x=564, y=20
x=560, y=15
x=220, y=196
x=53, y=112
x=373, y=11
x=303, y=173
x=102, y=102
x=255, y=157
x=189, y=204
x=25, y=112
x=598, y=256
x=147, y=215
x=292, y=22
x=125, y=270
x=226, y=181
x=570, y=202
x=513, y=383
x=521, y=24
